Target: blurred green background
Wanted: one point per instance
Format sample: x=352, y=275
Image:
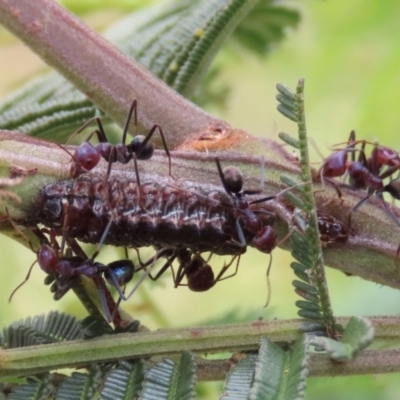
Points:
x=349, y=54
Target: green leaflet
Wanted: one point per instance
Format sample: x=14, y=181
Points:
x=280, y=374
x=358, y=334
x=168, y=380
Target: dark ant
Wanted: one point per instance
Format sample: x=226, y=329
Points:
x=87, y=156
x=199, y=274
x=265, y=239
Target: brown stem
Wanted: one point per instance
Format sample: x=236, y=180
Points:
x=98, y=69
x=370, y=251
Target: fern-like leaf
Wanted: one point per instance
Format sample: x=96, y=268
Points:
x=168, y=380
x=124, y=383
x=357, y=335
x=42, y=329
x=33, y=390
x=240, y=379
x=279, y=374
x=80, y=386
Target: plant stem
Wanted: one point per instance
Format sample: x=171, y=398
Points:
x=232, y=337
x=106, y=75
x=308, y=192
x=372, y=243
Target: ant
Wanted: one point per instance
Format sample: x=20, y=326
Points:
x=199, y=274
x=67, y=270
x=87, y=156
x=265, y=238
x=365, y=173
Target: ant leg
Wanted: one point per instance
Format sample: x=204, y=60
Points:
x=102, y=239
x=387, y=209
x=146, y=274
x=142, y=145
x=184, y=264
x=357, y=206
x=336, y=187
x=168, y=264
x=65, y=225
x=101, y=136
x=102, y=291
x=73, y=244
x=138, y=184
x=277, y=195
x=132, y=111
x=63, y=285
x=388, y=172
x=222, y=177
x=291, y=230
x=220, y=276
x=239, y=231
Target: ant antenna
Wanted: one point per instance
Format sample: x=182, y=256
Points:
x=21, y=284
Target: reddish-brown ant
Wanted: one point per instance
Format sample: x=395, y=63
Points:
x=87, y=156
x=365, y=173
x=67, y=269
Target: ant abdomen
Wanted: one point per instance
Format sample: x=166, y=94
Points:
x=393, y=187
x=121, y=270
x=200, y=275
x=142, y=153
x=233, y=179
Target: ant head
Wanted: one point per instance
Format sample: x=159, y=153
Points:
x=265, y=240
x=385, y=156
x=47, y=259
x=122, y=271
x=143, y=150
x=85, y=159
